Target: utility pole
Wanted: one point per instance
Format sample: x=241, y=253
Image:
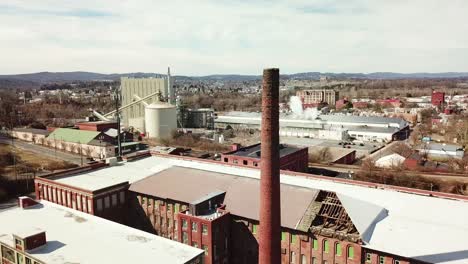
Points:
x=101, y=155
x=81, y=153
x=55, y=146
x=116, y=96
x=13, y=150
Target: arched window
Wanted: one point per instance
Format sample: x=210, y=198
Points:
x=350, y=252
x=325, y=246
x=338, y=249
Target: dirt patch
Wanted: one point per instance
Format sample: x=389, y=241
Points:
x=27, y=162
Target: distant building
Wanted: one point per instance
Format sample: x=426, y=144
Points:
x=389, y=102
x=441, y=150
x=134, y=89
x=93, y=144
x=291, y=158
x=365, y=128
x=36, y=136
x=315, y=97
x=196, y=118
x=97, y=125
x=438, y=99
x=390, y=161
x=360, y=105
x=47, y=233
x=342, y=103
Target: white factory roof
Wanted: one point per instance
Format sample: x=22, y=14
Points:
x=426, y=228
x=290, y=120
x=75, y=237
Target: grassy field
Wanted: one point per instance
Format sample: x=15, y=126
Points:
x=28, y=161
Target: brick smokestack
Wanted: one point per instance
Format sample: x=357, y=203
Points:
x=270, y=212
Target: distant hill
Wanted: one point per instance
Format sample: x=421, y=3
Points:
x=48, y=77
x=36, y=79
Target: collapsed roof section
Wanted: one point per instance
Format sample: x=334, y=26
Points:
x=307, y=210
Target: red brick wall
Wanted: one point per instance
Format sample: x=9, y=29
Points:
x=216, y=239
x=96, y=127
x=297, y=161
x=303, y=245
x=244, y=247
x=375, y=257
x=437, y=98
x=85, y=201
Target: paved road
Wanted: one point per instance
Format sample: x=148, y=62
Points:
x=41, y=150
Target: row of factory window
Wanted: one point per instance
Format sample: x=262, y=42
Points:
x=293, y=239
x=110, y=201
x=150, y=202
x=244, y=162
x=195, y=244
x=326, y=249
x=62, y=197
x=195, y=227
x=15, y=257
x=381, y=259
x=204, y=247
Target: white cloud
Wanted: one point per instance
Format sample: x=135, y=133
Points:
x=233, y=36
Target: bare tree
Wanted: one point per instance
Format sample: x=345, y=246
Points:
x=368, y=167
x=402, y=149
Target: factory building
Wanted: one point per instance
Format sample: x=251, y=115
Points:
x=214, y=206
x=291, y=158
x=312, y=98
x=30, y=134
x=333, y=127
x=196, y=118
x=47, y=233
x=93, y=144
x=441, y=150
x=135, y=89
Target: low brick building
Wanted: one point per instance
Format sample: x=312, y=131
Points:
x=37, y=136
x=100, y=126
x=291, y=158
x=89, y=196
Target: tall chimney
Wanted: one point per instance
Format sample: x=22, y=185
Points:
x=270, y=210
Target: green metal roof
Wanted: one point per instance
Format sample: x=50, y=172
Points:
x=73, y=135
x=126, y=144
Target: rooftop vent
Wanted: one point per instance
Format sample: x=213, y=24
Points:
x=30, y=240
x=25, y=202
x=111, y=161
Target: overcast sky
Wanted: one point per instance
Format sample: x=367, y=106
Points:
x=199, y=37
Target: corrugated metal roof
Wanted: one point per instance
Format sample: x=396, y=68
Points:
x=73, y=135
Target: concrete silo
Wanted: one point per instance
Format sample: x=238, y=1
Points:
x=160, y=120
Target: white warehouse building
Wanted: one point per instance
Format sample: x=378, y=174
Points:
x=364, y=128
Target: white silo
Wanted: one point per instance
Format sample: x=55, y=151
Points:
x=160, y=120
